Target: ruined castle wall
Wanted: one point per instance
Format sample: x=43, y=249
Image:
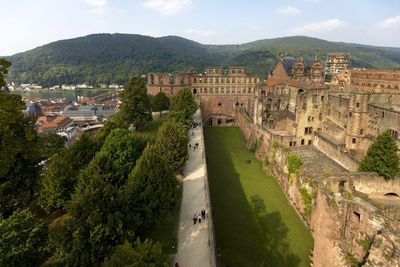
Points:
x=347, y=228
x=226, y=105
x=375, y=186
x=325, y=228
x=376, y=81
x=335, y=152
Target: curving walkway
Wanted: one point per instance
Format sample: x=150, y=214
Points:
x=195, y=242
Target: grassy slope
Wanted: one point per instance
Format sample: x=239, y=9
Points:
x=248, y=236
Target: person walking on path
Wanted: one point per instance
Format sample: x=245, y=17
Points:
x=194, y=219
x=203, y=214
x=199, y=218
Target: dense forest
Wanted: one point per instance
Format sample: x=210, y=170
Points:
x=112, y=58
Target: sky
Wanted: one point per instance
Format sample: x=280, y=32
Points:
x=27, y=24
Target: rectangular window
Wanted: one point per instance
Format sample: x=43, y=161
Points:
x=394, y=134
x=308, y=130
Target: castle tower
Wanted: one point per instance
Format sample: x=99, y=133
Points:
x=317, y=74
x=298, y=68
x=357, y=121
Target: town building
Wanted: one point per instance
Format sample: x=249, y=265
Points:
x=53, y=124
x=88, y=113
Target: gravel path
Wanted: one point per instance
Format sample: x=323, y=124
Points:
x=193, y=243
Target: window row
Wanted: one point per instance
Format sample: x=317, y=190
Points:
x=224, y=80
x=388, y=86
x=223, y=90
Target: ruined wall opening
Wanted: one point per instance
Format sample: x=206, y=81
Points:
x=342, y=185
x=230, y=121
x=391, y=194
x=194, y=91
x=356, y=217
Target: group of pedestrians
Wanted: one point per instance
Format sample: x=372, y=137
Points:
x=195, y=146
x=198, y=218
x=195, y=124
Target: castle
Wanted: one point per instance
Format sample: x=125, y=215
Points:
x=328, y=114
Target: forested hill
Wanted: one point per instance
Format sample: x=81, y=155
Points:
x=108, y=58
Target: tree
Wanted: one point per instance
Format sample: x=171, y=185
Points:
x=144, y=253
x=382, y=157
x=172, y=139
x=61, y=173
x=183, y=102
x=124, y=147
x=98, y=213
x=23, y=239
x=179, y=116
x=135, y=106
x=117, y=121
x=18, y=155
x=50, y=144
x=160, y=102
x=4, y=65
x=152, y=186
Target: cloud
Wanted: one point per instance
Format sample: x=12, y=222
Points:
x=200, y=33
x=96, y=6
x=390, y=23
x=289, y=10
x=167, y=7
x=319, y=26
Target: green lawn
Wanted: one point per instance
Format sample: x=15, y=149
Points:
x=254, y=223
x=151, y=128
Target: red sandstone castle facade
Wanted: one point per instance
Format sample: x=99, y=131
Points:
x=297, y=105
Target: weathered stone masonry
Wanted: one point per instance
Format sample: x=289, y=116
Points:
x=353, y=217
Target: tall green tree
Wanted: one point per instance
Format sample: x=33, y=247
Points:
x=50, y=144
x=98, y=213
x=141, y=254
x=61, y=173
x=160, y=102
x=184, y=103
x=172, y=139
x=4, y=65
x=23, y=239
x=382, y=157
x=135, y=107
x=18, y=155
x=152, y=186
x=116, y=122
x=124, y=147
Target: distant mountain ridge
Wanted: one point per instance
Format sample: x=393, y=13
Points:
x=113, y=58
